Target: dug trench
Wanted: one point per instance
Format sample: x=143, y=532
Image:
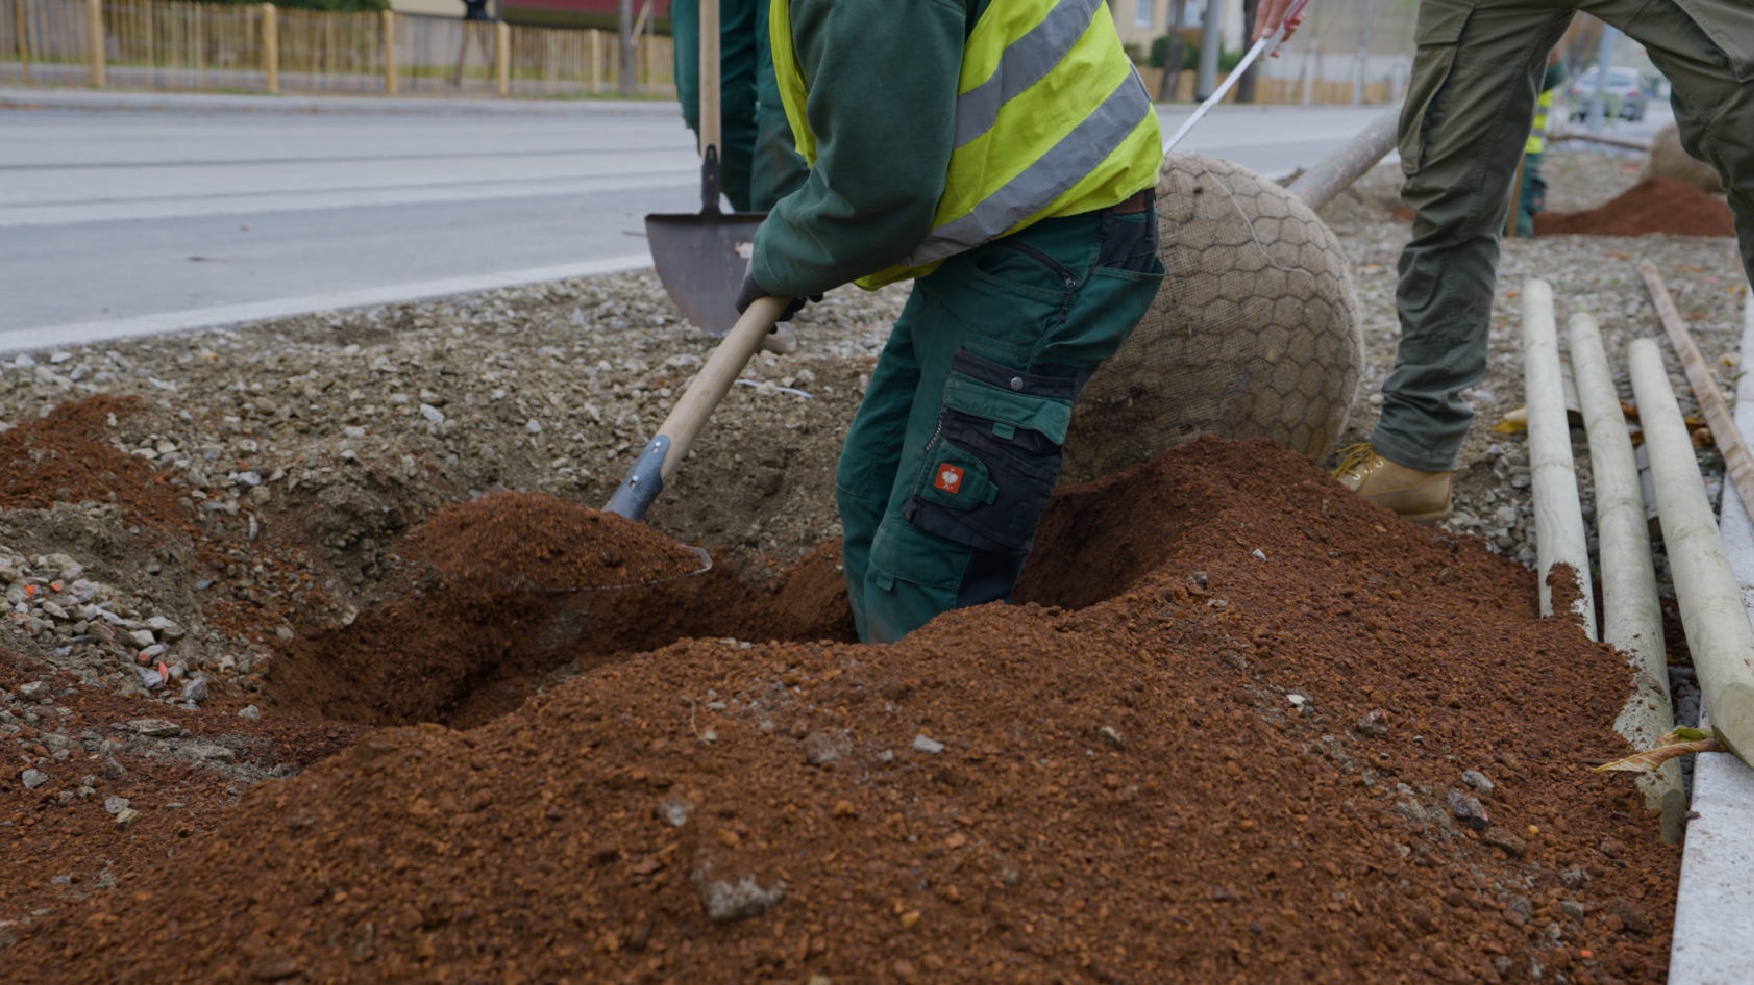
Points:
x=1239, y=726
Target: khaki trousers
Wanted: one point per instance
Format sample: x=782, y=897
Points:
x=1475, y=79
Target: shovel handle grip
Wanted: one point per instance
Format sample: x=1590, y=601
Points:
x=716, y=378
x=661, y=455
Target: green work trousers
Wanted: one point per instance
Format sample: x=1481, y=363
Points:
x=955, y=448
x=1532, y=197
x=757, y=163
x=1463, y=128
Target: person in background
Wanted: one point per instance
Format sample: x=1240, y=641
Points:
x=757, y=163
x=1532, y=196
x=1463, y=128
x=1004, y=156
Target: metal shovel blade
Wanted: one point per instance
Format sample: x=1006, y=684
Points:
x=701, y=258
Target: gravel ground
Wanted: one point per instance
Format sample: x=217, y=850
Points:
x=341, y=431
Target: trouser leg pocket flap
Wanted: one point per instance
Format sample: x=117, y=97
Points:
x=957, y=479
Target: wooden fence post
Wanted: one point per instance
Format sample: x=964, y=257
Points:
x=271, y=47
x=95, y=31
x=502, y=57
x=389, y=52
x=596, y=61
x=23, y=39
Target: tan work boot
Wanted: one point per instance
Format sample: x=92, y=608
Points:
x=1422, y=497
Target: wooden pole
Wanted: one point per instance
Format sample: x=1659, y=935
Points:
x=502, y=57
x=23, y=39
x=1737, y=460
x=596, y=61
x=95, y=31
x=271, y=47
x=1712, y=611
x=389, y=17
x=1560, y=540
x=1632, y=618
x=1597, y=138
x=1339, y=170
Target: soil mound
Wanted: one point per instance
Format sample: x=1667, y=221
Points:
x=1653, y=206
x=1305, y=742
x=63, y=458
x=547, y=544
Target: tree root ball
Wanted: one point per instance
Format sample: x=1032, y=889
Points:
x=1255, y=332
x=1669, y=160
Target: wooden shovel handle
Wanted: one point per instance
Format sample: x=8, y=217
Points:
x=716, y=378
x=709, y=76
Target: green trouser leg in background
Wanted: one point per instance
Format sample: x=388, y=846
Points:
x=1463, y=128
x=956, y=446
x=1532, y=197
x=778, y=169
x=738, y=56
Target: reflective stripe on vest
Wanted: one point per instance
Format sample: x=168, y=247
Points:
x=1051, y=119
x=1537, y=143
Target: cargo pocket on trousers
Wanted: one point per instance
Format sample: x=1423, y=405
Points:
x=1439, y=35
x=995, y=456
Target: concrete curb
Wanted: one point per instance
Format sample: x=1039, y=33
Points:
x=15, y=97
x=1714, y=910
x=85, y=333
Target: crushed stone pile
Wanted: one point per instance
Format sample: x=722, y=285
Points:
x=1252, y=728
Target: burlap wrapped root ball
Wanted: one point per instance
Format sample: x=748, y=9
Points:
x=1254, y=333
x=1668, y=160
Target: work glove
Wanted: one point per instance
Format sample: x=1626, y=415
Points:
x=751, y=290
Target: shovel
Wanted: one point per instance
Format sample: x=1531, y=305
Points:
x=670, y=445
x=701, y=257
x=529, y=542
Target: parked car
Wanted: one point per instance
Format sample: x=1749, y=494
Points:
x=1626, y=95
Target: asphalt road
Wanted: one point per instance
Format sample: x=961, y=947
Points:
x=131, y=213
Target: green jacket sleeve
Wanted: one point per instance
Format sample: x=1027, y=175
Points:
x=883, y=78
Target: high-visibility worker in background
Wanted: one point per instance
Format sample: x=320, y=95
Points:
x=757, y=163
x=1004, y=154
x=1532, y=196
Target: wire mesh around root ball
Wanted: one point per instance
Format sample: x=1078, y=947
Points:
x=1255, y=332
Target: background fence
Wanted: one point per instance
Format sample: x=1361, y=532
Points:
x=164, y=44
x=1345, y=53
x=1360, y=52
x=1354, y=52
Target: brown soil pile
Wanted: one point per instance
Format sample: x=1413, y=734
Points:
x=63, y=458
x=547, y=544
x=462, y=654
x=1300, y=741
x=58, y=854
x=1653, y=206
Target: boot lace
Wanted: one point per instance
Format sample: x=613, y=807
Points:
x=1353, y=458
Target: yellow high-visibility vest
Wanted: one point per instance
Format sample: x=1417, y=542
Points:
x=1052, y=119
x=1537, y=143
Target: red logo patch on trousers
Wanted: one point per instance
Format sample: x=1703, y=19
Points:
x=949, y=479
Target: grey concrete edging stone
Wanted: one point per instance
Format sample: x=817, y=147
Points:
x=1714, y=910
